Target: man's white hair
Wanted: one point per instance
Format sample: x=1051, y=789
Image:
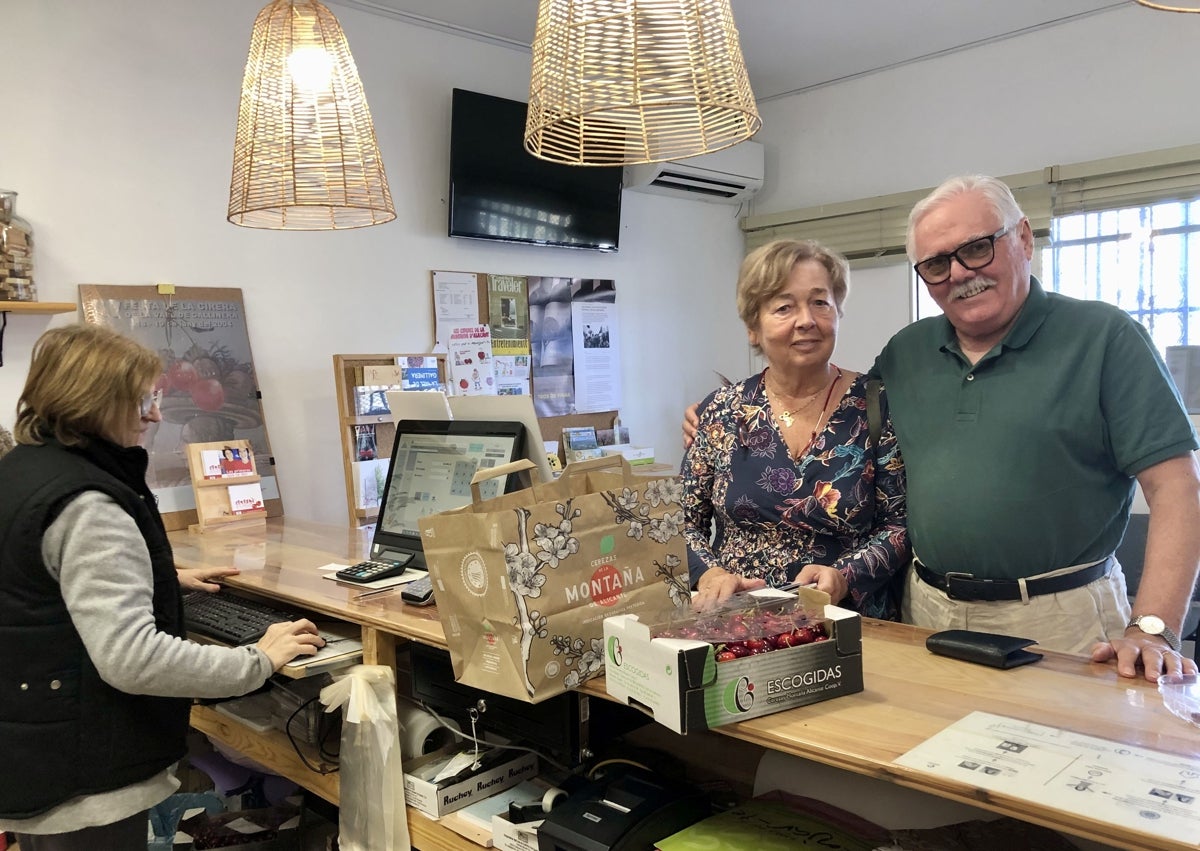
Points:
x=994, y=191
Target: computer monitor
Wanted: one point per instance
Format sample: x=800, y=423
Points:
x=430, y=471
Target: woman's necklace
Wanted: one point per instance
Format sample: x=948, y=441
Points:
x=788, y=417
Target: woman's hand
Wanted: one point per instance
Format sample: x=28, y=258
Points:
x=691, y=422
x=717, y=585
x=203, y=578
x=827, y=579
x=283, y=642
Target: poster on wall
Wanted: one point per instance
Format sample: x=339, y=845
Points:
x=597, y=345
x=209, y=385
x=551, y=350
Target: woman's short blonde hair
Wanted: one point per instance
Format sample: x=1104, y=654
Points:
x=84, y=381
x=766, y=269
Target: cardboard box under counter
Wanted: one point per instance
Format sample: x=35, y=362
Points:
x=682, y=686
x=507, y=836
x=423, y=794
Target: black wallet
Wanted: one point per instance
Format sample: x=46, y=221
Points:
x=984, y=648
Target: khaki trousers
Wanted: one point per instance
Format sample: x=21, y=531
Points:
x=1070, y=621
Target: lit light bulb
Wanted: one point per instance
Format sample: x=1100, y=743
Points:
x=310, y=67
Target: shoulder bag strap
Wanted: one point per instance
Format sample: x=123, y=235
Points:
x=874, y=417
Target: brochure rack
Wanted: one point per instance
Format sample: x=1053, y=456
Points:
x=367, y=432
x=225, y=481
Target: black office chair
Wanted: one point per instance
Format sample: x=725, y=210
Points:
x=1131, y=554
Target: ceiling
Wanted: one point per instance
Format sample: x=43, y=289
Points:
x=790, y=45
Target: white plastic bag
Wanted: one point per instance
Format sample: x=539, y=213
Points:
x=372, y=813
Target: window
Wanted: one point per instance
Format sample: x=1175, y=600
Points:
x=1140, y=259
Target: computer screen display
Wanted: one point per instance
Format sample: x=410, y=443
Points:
x=432, y=466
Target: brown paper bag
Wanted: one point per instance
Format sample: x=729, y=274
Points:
x=524, y=581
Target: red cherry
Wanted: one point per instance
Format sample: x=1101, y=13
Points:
x=755, y=644
x=463, y=383
x=726, y=656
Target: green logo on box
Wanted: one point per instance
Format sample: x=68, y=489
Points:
x=607, y=545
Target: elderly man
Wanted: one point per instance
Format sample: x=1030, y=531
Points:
x=1024, y=418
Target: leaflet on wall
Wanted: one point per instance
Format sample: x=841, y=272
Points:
x=512, y=374
x=596, y=342
x=469, y=358
x=508, y=314
x=455, y=303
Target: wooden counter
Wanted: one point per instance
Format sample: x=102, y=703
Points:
x=909, y=694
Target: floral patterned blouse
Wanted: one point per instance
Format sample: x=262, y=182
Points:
x=842, y=504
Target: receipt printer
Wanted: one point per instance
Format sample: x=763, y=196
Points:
x=628, y=809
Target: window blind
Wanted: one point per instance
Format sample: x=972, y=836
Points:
x=872, y=230
x=1172, y=174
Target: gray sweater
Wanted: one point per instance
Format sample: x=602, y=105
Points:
x=98, y=556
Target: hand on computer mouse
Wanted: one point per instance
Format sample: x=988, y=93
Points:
x=283, y=642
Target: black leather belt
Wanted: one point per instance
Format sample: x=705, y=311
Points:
x=967, y=587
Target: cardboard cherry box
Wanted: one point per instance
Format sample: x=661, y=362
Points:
x=690, y=684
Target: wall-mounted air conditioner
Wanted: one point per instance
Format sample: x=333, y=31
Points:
x=729, y=176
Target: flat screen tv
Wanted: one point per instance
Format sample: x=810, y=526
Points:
x=498, y=190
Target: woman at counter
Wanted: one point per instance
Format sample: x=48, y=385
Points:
x=784, y=461
x=97, y=675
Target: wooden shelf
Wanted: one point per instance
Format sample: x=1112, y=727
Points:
x=345, y=369
x=37, y=306
x=273, y=750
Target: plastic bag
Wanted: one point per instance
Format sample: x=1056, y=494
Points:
x=371, y=811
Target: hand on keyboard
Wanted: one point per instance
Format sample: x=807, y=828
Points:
x=283, y=642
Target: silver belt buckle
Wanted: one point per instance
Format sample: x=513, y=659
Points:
x=950, y=577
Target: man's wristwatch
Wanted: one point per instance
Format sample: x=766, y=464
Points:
x=1154, y=625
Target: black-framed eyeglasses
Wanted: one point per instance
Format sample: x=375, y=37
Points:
x=149, y=401
x=971, y=255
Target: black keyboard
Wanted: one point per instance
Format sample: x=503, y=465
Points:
x=229, y=619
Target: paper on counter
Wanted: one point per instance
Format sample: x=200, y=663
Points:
x=1135, y=788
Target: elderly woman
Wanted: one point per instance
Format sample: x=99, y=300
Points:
x=97, y=675
x=784, y=461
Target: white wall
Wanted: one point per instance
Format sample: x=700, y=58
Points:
x=1114, y=83
x=118, y=135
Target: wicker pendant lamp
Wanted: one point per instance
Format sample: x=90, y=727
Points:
x=1192, y=6
x=634, y=81
x=305, y=157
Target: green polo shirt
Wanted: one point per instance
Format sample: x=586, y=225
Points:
x=1024, y=462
